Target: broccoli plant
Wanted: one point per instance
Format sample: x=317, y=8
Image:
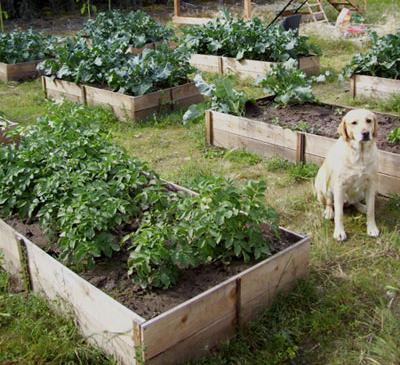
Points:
x=288, y=84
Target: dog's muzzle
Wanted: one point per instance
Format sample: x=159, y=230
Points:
x=366, y=136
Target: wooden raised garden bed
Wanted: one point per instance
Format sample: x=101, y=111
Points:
x=185, y=331
x=247, y=68
x=262, y=135
x=373, y=87
x=18, y=71
x=124, y=106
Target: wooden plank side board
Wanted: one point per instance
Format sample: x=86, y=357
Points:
x=60, y=89
x=388, y=185
x=261, y=284
x=199, y=344
x=254, y=129
x=104, y=321
x=189, y=318
x=310, y=65
x=12, y=261
x=124, y=106
x=190, y=20
x=18, y=71
x=247, y=68
x=371, y=86
x=389, y=163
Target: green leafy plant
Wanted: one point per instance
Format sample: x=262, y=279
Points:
x=288, y=84
x=134, y=28
x=222, y=223
x=106, y=64
x=18, y=46
x=246, y=39
x=68, y=175
x=222, y=97
x=394, y=136
x=382, y=59
x=87, y=193
x=87, y=7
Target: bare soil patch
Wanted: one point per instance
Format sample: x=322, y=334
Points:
x=320, y=119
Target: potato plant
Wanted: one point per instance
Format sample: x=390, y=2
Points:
x=92, y=199
x=233, y=37
x=18, y=46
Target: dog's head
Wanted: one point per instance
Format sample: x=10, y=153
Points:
x=359, y=125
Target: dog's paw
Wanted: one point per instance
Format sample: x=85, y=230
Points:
x=373, y=231
x=339, y=235
x=328, y=213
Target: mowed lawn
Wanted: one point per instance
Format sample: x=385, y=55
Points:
x=347, y=311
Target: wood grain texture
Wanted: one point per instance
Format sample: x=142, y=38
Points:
x=190, y=20
x=11, y=261
x=374, y=87
x=101, y=319
x=18, y=71
x=60, y=89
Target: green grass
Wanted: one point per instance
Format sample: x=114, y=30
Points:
x=347, y=311
x=31, y=334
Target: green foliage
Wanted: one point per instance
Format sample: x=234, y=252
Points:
x=84, y=191
x=106, y=64
x=233, y=37
x=222, y=98
x=297, y=171
x=222, y=223
x=382, y=59
x=288, y=84
x=18, y=46
x=133, y=28
x=66, y=173
x=394, y=136
x=31, y=333
x=87, y=7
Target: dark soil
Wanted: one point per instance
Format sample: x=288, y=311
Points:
x=110, y=275
x=318, y=119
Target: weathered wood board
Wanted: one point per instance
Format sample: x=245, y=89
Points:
x=182, y=333
x=229, y=131
x=18, y=71
x=374, y=87
x=247, y=68
x=124, y=106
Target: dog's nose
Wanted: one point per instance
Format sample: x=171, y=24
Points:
x=365, y=136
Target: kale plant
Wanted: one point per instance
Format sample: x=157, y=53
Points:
x=18, y=46
x=382, y=59
x=246, y=39
x=288, y=84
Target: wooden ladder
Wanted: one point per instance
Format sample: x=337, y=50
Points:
x=348, y=4
x=317, y=11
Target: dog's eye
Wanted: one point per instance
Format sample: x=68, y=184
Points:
x=354, y=123
x=369, y=121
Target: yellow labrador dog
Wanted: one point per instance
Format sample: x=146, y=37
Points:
x=350, y=171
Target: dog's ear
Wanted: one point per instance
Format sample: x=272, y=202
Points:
x=375, y=130
x=342, y=130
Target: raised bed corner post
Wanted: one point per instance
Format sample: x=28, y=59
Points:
x=209, y=128
x=301, y=148
x=44, y=86
x=247, y=9
x=353, y=86
x=177, y=7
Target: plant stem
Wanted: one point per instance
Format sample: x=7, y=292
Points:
x=109, y=5
x=88, y=8
x=1, y=18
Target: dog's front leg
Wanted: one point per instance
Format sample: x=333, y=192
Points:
x=372, y=229
x=338, y=198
